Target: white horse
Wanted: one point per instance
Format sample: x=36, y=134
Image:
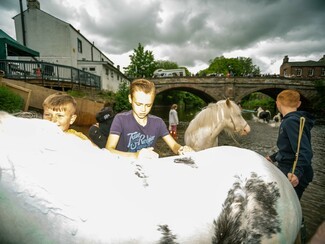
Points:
x=57, y=188
x=203, y=130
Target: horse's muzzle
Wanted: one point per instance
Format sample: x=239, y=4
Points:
x=246, y=130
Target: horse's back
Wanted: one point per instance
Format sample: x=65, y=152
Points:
x=61, y=189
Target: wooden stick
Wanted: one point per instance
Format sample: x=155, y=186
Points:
x=301, y=128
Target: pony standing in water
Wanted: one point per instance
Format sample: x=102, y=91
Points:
x=203, y=130
x=264, y=115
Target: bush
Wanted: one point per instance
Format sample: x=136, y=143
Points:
x=256, y=100
x=10, y=101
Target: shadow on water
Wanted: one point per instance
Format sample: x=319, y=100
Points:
x=262, y=139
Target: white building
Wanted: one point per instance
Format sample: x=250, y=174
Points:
x=59, y=42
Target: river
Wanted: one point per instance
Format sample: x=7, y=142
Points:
x=262, y=139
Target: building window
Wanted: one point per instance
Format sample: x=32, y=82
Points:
x=298, y=72
x=79, y=45
x=323, y=72
x=92, y=69
x=84, y=69
x=112, y=74
x=310, y=72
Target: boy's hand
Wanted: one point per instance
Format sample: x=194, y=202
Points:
x=293, y=179
x=184, y=149
x=147, y=153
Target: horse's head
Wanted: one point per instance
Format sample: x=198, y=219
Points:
x=234, y=119
x=204, y=129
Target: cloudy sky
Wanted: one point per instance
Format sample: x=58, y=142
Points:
x=192, y=32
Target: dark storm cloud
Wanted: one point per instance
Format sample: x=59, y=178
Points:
x=9, y=5
x=190, y=32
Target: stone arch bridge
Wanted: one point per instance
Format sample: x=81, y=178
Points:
x=212, y=89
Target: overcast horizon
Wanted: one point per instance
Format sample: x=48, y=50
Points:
x=193, y=32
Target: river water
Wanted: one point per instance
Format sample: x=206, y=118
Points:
x=262, y=139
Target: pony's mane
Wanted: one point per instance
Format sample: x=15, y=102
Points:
x=207, y=114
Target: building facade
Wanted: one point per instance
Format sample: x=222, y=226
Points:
x=306, y=69
x=60, y=43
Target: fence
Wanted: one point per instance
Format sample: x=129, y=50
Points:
x=47, y=74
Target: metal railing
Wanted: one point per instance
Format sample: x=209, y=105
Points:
x=46, y=73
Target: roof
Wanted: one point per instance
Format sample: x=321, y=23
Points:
x=307, y=64
x=10, y=47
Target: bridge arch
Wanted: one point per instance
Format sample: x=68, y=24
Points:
x=306, y=103
x=204, y=95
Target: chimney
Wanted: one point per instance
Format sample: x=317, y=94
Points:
x=33, y=4
x=286, y=59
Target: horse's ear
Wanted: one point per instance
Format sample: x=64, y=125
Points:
x=228, y=102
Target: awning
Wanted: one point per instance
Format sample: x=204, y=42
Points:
x=10, y=47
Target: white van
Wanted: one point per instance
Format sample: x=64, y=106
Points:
x=169, y=72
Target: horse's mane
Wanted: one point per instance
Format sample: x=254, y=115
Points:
x=209, y=116
x=214, y=114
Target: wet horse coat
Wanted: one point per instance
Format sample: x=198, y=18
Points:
x=203, y=130
x=277, y=118
x=57, y=188
x=264, y=115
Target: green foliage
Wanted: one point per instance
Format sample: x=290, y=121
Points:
x=10, y=101
x=258, y=99
x=239, y=66
x=107, y=96
x=76, y=93
x=182, y=98
x=319, y=102
x=165, y=64
x=142, y=63
x=121, y=101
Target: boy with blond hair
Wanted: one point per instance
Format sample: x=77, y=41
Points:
x=288, y=101
x=134, y=133
x=60, y=108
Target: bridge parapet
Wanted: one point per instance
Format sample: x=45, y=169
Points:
x=212, y=89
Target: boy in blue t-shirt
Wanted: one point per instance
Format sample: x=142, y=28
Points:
x=135, y=133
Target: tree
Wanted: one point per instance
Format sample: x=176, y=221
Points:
x=142, y=63
x=121, y=101
x=165, y=64
x=239, y=66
